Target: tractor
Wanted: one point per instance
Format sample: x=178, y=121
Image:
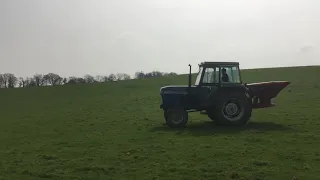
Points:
x=219, y=93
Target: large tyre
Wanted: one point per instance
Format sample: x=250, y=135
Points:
x=231, y=109
x=176, y=117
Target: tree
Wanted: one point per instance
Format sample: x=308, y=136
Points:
x=32, y=82
x=65, y=81
x=10, y=80
x=99, y=78
x=26, y=81
x=38, y=79
x=22, y=82
x=126, y=76
x=119, y=76
x=148, y=75
x=52, y=79
x=59, y=81
x=72, y=80
x=45, y=80
x=139, y=75
x=172, y=74
x=81, y=81
x=89, y=79
x=122, y=76
x=112, y=77
x=75, y=80
x=5, y=80
x=154, y=74
x=105, y=78
x=2, y=81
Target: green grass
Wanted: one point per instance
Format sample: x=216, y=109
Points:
x=117, y=131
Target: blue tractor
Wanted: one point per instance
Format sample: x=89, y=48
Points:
x=218, y=92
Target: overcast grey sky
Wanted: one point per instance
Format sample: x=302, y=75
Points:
x=76, y=37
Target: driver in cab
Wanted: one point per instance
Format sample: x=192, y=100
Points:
x=225, y=77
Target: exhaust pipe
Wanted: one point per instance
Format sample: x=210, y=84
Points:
x=189, y=83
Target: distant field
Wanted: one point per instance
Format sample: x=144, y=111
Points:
x=117, y=131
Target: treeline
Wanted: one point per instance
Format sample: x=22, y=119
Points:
x=9, y=80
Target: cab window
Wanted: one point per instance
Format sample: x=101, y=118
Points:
x=230, y=74
x=211, y=76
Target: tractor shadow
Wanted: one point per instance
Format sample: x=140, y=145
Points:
x=210, y=128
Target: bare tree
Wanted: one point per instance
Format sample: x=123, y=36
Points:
x=105, y=78
x=2, y=81
x=53, y=79
x=32, y=82
x=172, y=74
x=26, y=82
x=126, y=76
x=140, y=75
x=99, y=78
x=9, y=80
x=22, y=82
x=112, y=77
x=154, y=74
x=122, y=76
x=76, y=80
x=59, y=81
x=5, y=79
x=38, y=79
x=65, y=81
x=29, y=82
x=89, y=79
x=119, y=76
x=72, y=80
x=81, y=81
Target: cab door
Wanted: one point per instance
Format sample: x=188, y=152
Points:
x=209, y=85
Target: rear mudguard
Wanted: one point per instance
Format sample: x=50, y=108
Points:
x=263, y=92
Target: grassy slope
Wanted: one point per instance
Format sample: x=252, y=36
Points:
x=116, y=131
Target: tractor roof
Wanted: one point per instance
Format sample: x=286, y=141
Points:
x=205, y=63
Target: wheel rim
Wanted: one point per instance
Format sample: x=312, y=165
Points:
x=176, y=116
x=232, y=110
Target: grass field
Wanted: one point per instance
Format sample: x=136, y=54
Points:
x=117, y=131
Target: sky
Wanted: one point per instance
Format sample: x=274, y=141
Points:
x=100, y=37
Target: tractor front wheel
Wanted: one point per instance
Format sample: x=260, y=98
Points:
x=176, y=117
x=234, y=109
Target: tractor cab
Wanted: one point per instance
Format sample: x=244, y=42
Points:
x=214, y=79
x=218, y=73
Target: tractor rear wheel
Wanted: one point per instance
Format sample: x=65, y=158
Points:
x=176, y=117
x=231, y=109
